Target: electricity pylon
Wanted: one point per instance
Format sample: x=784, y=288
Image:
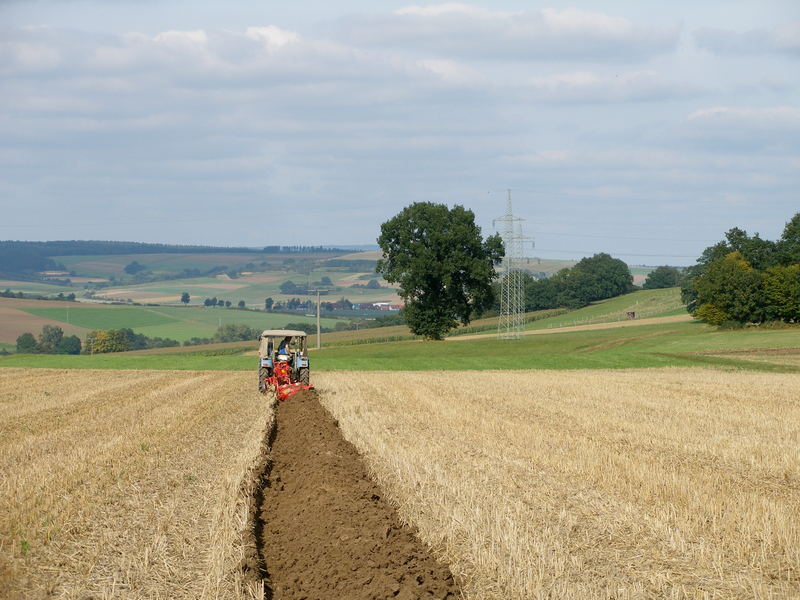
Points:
x=512, y=292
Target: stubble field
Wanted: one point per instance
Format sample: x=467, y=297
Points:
x=669, y=483
x=672, y=483
x=126, y=484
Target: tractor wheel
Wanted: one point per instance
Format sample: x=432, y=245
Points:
x=304, y=376
x=263, y=373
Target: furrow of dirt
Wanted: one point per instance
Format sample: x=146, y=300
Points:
x=325, y=528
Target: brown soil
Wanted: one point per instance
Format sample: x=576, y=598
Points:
x=327, y=531
x=15, y=322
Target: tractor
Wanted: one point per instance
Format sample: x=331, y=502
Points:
x=283, y=365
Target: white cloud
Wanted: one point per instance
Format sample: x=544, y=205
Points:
x=772, y=116
x=433, y=102
x=784, y=38
x=443, y=9
x=748, y=130
x=271, y=35
x=450, y=72
x=182, y=38
x=573, y=21
x=589, y=87
x=462, y=30
x=28, y=50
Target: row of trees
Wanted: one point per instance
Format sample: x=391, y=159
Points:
x=51, y=341
x=211, y=302
x=745, y=279
x=230, y=332
x=594, y=278
x=122, y=340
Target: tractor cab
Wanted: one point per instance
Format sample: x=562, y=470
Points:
x=283, y=363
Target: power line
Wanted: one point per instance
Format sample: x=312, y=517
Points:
x=621, y=237
x=623, y=253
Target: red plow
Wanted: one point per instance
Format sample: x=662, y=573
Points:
x=281, y=381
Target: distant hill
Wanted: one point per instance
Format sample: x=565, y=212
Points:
x=21, y=259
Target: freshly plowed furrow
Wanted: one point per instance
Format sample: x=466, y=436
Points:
x=327, y=531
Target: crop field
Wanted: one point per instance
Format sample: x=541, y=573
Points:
x=180, y=323
x=126, y=484
x=672, y=483
x=253, y=289
x=161, y=485
x=15, y=320
x=669, y=483
x=114, y=264
x=36, y=287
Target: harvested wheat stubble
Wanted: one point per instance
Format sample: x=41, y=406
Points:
x=669, y=483
x=328, y=533
x=127, y=484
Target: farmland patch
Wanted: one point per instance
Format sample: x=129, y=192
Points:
x=129, y=484
x=103, y=318
x=16, y=320
x=671, y=483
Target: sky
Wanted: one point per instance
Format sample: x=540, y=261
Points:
x=641, y=129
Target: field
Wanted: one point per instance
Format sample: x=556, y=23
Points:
x=253, y=289
x=126, y=484
x=649, y=483
x=144, y=484
x=629, y=345
x=181, y=323
x=15, y=320
x=36, y=287
x=677, y=483
x=114, y=264
x=645, y=303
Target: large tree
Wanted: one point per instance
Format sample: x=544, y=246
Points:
x=443, y=265
x=662, y=277
x=70, y=344
x=50, y=338
x=26, y=344
x=730, y=290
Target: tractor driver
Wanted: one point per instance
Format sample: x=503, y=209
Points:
x=283, y=348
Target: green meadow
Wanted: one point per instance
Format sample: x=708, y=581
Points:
x=103, y=265
x=36, y=287
x=645, y=303
x=662, y=345
x=179, y=323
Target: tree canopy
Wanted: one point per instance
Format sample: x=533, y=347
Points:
x=662, y=277
x=443, y=265
x=744, y=279
x=593, y=278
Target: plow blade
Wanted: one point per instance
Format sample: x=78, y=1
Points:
x=287, y=390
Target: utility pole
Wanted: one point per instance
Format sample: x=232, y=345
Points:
x=319, y=340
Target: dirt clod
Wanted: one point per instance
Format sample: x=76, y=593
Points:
x=328, y=532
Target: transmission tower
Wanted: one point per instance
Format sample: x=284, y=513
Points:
x=512, y=293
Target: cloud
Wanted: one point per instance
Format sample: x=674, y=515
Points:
x=456, y=29
x=783, y=39
x=765, y=130
x=588, y=87
x=437, y=102
x=770, y=117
